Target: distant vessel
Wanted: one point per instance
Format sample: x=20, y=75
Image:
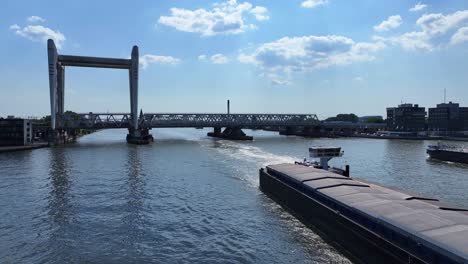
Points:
x=448, y=153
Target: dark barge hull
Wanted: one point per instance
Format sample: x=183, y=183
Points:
x=361, y=237
x=447, y=155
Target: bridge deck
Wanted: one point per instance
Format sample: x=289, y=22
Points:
x=166, y=120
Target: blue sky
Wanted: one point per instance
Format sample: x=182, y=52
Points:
x=296, y=56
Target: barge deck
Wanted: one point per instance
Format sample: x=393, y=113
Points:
x=367, y=222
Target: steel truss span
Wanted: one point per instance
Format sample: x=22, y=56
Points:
x=161, y=120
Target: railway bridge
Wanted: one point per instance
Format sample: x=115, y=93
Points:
x=139, y=124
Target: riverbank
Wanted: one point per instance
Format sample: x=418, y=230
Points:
x=463, y=139
x=397, y=137
x=27, y=147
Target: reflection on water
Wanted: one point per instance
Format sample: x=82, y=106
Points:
x=59, y=199
x=133, y=216
x=185, y=198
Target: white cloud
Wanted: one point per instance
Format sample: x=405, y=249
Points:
x=313, y=3
x=301, y=54
x=413, y=41
x=15, y=27
x=247, y=59
x=39, y=33
x=224, y=18
x=436, y=24
x=358, y=79
x=280, y=82
x=35, y=19
x=436, y=29
x=215, y=59
x=276, y=79
x=460, y=36
x=219, y=59
x=260, y=13
x=418, y=7
x=148, y=59
x=391, y=23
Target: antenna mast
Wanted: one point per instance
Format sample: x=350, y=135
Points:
x=445, y=95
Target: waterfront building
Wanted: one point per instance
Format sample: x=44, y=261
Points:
x=406, y=117
x=15, y=132
x=464, y=117
x=448, y=117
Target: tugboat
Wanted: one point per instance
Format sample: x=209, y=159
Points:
x=448, y=153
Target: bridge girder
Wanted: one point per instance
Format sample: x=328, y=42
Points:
x=161, y=120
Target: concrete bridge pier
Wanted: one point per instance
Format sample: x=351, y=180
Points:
x=136, y=135
x=312, y=132
x=139, y=136
x=288, y=131
x=60, y=136
x=232, y=133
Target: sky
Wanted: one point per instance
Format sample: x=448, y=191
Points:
x=319, y=57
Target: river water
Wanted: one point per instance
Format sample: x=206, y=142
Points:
x=186, y=198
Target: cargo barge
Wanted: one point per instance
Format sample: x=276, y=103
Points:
x=367, y=222
x=448, y=153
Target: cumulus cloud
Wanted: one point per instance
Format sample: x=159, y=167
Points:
x=276, y=79
x=224, y=18
x=391, y=23
x=15, y=27
x=435, y=30
x=215, y=59
x=460, y=36
x=149, y=59
x=260, y=13
x=418, y=7
x=437, y=24
x=313, y=3
x=35, y=19
x=413, y=41
x=301, y=54
x=39, y=33
x=219, y=59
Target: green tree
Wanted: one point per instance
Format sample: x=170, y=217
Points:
x=344, y=117
x=375, y=119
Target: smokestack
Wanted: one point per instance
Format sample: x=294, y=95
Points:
x=228, y=107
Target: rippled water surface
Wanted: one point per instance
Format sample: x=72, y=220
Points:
x=186, y=198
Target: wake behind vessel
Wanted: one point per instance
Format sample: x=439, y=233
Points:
x=448, y=153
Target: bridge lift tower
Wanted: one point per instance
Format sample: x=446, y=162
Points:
x=57, y=65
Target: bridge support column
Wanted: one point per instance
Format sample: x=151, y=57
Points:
x=139, y=136
x=216, y=132
x=232, y=133
x=288, y=131
x=136, y=135
x=53, y=81
x=311, y=132
x=60, y=136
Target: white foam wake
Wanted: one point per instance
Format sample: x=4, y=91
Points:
x=251, y=159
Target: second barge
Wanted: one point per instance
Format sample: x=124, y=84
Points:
x=448, y=153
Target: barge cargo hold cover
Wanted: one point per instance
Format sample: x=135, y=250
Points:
x=368, y=222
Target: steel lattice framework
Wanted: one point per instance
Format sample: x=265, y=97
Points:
x=161, y=120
